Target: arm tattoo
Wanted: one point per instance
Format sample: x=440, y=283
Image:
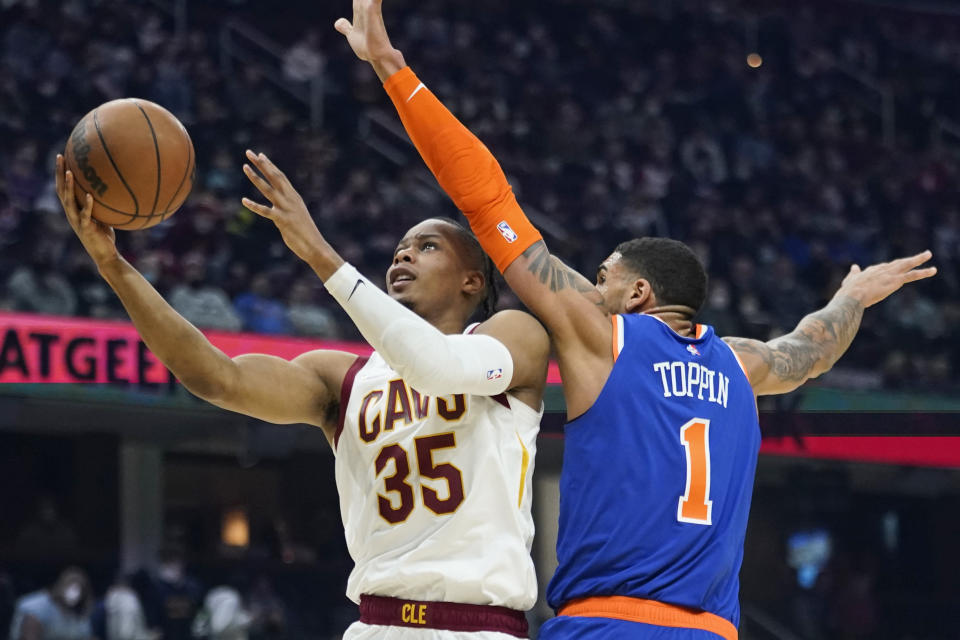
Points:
x=550, y=271
x=813, y=347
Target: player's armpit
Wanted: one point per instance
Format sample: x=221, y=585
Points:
x=756, y=357
x=303, y=390
x=529, y=347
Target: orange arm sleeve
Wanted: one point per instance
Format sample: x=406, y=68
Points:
x=465, y=169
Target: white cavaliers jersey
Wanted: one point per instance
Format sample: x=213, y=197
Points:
x=435, y=493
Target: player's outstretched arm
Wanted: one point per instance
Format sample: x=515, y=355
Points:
x=262, y=386
x=783, y=364
x=491, y=361
x=563, y=299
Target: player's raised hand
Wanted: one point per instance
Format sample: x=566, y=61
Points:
x=98, y=239
x=289, y=212
x=367, y=36
x=873, y=284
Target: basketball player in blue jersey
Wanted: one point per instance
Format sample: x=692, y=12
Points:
x=662, y=434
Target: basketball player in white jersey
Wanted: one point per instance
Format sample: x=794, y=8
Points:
x=434, y=434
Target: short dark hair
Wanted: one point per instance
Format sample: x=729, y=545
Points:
x=672, y=268
x=475, y=258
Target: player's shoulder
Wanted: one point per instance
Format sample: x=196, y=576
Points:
x=519, y=331
x=512, y=321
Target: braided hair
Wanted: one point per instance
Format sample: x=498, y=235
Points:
x=477, y=259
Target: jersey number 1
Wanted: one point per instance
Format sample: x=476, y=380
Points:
x=695, y=505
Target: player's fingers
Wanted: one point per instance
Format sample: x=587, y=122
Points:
x=272, y=171
x=257, y=208
x=257, y=162
x=375, y=10
x=855, y=268
x=269, y=170
x=86, y=213
x=359, y=15
x=910, y=262
x=262, y=185
x=919, y=274
x=343, y=26
x=68, y=201
x=58, y=175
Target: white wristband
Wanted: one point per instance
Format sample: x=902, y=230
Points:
x=428, y=360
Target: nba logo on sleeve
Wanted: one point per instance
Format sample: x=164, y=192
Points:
x=494, y=374
x=508, y=234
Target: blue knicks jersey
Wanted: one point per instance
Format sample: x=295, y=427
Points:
x=658, y=474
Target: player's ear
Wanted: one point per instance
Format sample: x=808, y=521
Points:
x=473, y=282
x=641, y=296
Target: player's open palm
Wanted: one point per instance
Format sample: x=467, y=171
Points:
x=98, y=239
x=289, y=212
x=367, y=35
x=873, y=284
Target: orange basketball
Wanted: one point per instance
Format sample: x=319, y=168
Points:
x=136, y=159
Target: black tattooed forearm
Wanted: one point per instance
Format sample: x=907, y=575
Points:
x=553, y=273
x=812, y=348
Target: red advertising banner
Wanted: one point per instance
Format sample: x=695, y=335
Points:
x=932, y=451
x=35, y=348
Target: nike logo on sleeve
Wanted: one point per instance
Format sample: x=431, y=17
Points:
x=359, y=282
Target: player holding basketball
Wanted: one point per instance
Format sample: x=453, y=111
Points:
x=434, y=434
x=662, y=438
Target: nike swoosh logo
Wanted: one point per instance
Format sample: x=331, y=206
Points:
x=415, y=91
x=359, y=282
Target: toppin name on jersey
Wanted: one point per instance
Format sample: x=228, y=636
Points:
x=689, y=379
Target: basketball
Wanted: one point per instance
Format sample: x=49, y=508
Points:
x=135, y=158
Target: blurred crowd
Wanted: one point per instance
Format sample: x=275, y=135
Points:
x=168, y=603
x=53, y=586
x=612, y=120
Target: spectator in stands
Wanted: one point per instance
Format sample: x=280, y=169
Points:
x=223, y=616
x=40, y=288
x=259, y=310
x=120, y=616
x=703, y=158
x=916, y=318
x=306, y=316
x=203, y=304
x=718, y=311
x=23, y=180
x=61, y=612
x=222, y=176
x=174, y=595
x=304, y=60
x=784, y=294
